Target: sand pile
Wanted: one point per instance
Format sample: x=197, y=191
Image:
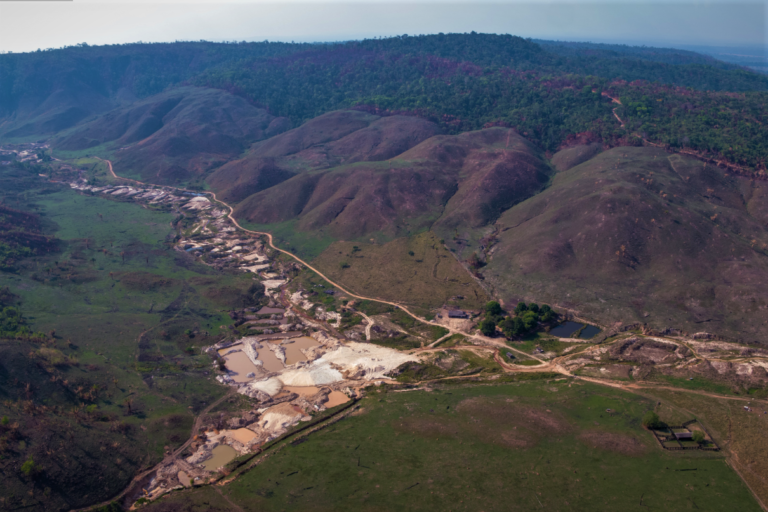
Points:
x=358, y=360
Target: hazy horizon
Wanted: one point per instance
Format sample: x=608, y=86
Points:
x=28, y=26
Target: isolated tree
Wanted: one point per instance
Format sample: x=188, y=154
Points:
x=488, y=327
x=698, y=436
x=651, y=420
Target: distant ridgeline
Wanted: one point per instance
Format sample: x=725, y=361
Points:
x=552, y=93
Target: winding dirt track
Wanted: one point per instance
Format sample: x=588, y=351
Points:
x=490, y=344
x=231, y=217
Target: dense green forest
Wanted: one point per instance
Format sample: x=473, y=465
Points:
x=549, y=91
x=547, y=107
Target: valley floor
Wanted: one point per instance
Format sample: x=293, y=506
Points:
x=433, y=415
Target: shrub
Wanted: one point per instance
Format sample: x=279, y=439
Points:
x=698, y=436
x=29, y=468
x=488, y=327
x=651, y=420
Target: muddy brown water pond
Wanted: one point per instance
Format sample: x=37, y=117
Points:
x=271, y=362
x=336, y=398
x=243, y=435
x=302, y=390
x=221, y=455
x=239, y=363
x=293, y=348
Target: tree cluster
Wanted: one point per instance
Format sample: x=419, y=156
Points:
x=526, y=318
x=547, y=92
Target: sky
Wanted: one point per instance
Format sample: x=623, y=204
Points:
x=33, y=24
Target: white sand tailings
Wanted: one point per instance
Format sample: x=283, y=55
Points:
x=280, y=417
x=362, y=360
x=273, y=283
x=271, y=386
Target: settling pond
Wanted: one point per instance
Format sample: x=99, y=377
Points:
x=239, y=363
x=568, y=329
x=221, y=455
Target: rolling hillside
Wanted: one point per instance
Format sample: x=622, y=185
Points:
x=447, y=181
x=639, y=235
x=174, y=137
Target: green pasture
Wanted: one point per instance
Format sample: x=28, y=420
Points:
x=549, y=445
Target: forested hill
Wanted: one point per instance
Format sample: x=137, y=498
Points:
x=549, y=92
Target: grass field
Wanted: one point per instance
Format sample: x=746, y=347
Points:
x=417, y=271
x=531, y=445
x=115, y=277
x=739, y=432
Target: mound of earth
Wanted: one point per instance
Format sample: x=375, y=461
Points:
x=636, y=234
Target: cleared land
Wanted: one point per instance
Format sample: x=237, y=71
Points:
x=521, y=446
x=417, y=271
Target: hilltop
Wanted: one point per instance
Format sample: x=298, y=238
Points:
x=173, y=137
x=450, y=181
x=548, y=92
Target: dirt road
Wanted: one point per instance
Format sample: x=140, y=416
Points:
x=198, y=423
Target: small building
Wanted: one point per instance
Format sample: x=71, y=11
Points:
x=457, y=313
x=683, y=435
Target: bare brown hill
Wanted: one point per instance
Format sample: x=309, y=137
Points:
x=451, y=181
x=636, y=234
x=326, y=141
x=175, y=136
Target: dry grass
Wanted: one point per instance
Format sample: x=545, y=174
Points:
x=739, y=433
x=428, y=279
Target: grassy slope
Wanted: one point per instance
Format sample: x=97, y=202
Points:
x=170, y=138
x=102, y=316
x=453, y=184
x=636, y=234
x=429, y=278
x=510, y=447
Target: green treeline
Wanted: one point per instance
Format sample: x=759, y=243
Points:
x=549, y=92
